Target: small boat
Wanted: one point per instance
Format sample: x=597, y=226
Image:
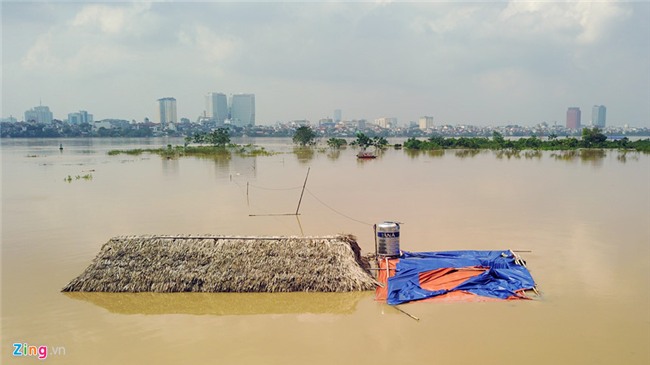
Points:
x=366, y=154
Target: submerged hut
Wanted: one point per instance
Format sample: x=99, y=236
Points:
x=225, y=264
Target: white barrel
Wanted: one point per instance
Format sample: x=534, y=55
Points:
x=388, y=239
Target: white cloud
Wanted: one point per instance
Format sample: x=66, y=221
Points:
x=583, y=22
x=596, y=19
x=98, y=38
x=130, y=20
x=208, y=44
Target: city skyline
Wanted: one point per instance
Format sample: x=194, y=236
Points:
x=492, y=63
x=167, y=107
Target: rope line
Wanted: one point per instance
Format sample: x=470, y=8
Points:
x=336, y=211
x=263, y=188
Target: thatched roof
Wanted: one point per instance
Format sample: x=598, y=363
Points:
x=225, y=264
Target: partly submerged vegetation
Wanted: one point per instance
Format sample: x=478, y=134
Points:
x=170, y=151
x=86, y=177
x=304, y=136
x=336, y=143
x=591, y=138
x=219, y=147
x=364, y=141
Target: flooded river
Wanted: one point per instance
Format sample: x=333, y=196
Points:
x=583, y=218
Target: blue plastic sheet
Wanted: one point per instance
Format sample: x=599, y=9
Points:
x=502, y=279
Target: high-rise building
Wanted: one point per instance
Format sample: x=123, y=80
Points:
x=573, y=118
x=39, y=114
x=166, y=112
x=337, y=115
x=425, y=122
x=598, y=114
x=242, y=110
x=386, y=122
x=81, y=117
x=216, y=106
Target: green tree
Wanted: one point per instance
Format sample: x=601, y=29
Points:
x=379, y=142
x=198, y=138
x=592, y=137
x=219, y=137
x=336, y=143
x=363, y=141
x=304, y=136
x=498, y=139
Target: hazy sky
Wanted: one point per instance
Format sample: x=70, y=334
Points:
x=482, y=63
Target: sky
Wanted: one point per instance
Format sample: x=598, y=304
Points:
x=481, y=63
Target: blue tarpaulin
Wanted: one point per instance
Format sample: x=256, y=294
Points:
x=498, y=275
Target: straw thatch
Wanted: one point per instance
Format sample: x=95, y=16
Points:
x=225, y=264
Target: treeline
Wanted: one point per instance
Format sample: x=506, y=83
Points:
x=591, y=138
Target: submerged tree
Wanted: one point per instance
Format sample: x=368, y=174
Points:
x=364, y=141
x=304, y=136
x=336, y=143
x=592, y=137
x=219, y=137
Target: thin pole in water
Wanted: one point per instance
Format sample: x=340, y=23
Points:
x=303, y=190
x=405, y=312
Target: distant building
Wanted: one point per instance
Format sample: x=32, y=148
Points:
x=81, y=117
x=425, y=123
x=10, y=119
x=300, y=123
x=39, y=114
x=242, y=110
x=598, y=115
x=337, y=115
x=386, y=122
x=166, y=112
x=106, y=124
x=216, y=106
x=573, y=118
x=326, y=123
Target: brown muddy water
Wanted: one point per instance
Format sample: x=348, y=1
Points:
x=584, y=217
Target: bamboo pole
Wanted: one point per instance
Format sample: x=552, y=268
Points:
x=302, y=233
x=408, y=314
x=303, y=190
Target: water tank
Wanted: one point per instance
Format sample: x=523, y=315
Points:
x=388, y=239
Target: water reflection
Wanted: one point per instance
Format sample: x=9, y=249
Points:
x=333, y=155
x=223, y=303
x=624, y=155
x=593, y=157
x=466, y=153
x=170, y=166
x=304, y=154
x=430, y=153
x=527, y=154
